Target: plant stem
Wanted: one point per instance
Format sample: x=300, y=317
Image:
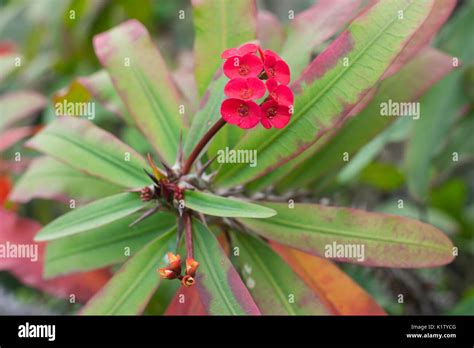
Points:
x=188, y=236
x=202, y=143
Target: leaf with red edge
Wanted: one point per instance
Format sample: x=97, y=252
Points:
x=312, y=27
x=221, y=290
x=335, y=288
x=439, y=13
x=186, y=302
x=12, y=136
x=274, y=286
x=20, y=232
x=385, y=240
x=145, y=84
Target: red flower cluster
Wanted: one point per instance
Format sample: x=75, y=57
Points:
x=246, y=71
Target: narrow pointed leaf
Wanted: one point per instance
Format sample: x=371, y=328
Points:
x=335, y=288
x=105, y=245
x=328, y=90
x=84, y=146
x=145, y=85
x=326, y=156
x=91, y=216
x=312, y=27
x=219, y=25
x=130, y=289
x=210, y=204
x=276, y=289
x=374, y=239
x=220, y=288
x=48, y=178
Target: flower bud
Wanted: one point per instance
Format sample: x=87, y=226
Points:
x=174, y=263
x=191, y=267
x=188, y=281
x=167, y=273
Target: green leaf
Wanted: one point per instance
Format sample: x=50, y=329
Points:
x=210, y=204
x=47, y=178
x=131, y=288
x=276, y=289
x=105, y=245
x=219, y=25
x=92, y=150
x=375, y=239
x=220, y=288
x=440, y=105
x=144, y=85
x=328, y=90
x=91, y=216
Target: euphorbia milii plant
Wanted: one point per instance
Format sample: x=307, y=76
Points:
x=230, y=237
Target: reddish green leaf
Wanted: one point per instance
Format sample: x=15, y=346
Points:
x=336, y=289
x=357, y=236
x=276, y=289
x=312, y=27
x=17, y=106
x=47, y=178
x=219, y=25
x=132, y=286
x=220, y=288
x=142, y=80
x=186, y=302
x=92, y=150
x=328, y=89
x=12, y=136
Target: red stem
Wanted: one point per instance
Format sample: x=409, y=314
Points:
x=202, y=143
x=188, y=236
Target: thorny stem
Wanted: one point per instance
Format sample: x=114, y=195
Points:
x=202, y=143
x=188, y=238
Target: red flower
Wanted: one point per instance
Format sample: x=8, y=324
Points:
x=273, y=114
x=251, y=88
x=280, y=93
x=275, y=67
x=245, y=114
x=239, y=52
x=247, y=66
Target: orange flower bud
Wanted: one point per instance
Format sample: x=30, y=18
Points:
x=174, y=263
x=191, y=266
x=188, y=281
x=167, y=273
